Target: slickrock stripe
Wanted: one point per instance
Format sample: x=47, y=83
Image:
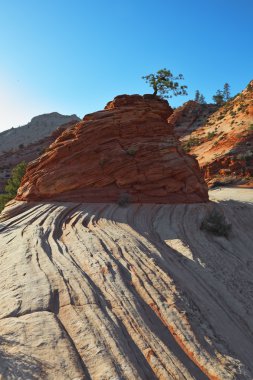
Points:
x=98, y=291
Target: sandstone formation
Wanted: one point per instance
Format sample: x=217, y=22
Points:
x=101, y=292
x=223, y=143
x=125, y=153
x=189, y=117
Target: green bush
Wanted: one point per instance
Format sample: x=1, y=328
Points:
x=215, y=223
x=12, y=185
x=131, y=151
x=210, y=135
x=124, y=200
x=193, y=141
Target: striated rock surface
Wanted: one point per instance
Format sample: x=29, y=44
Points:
x=125, y=153
x=97, y=291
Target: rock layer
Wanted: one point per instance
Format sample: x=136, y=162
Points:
x=97, y=291
x=125, y=153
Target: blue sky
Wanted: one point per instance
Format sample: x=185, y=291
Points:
x=73, y=56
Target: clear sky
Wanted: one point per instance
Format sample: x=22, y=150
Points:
x=73, y=56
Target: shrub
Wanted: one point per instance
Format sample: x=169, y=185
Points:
x=193, y=141
x=12, y=184
x=4, y=198
x=246, y=156
x=131, y=151
x=210, y=135
x=215, y=223
x=124, y=199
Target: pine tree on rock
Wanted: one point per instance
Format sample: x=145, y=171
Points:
x=165, y=84
x=219, y=98
x=226, y=92
x=197, y=96
x=202, y=99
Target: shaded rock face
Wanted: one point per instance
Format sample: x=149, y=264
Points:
x=125, y=153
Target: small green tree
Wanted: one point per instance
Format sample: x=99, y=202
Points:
x=202, y=99
x=13, y=183
x=197, y=96
x=219, y=98
x=226, y=92
x=165, y=84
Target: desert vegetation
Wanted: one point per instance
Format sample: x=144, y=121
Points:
x=165, y=84
x=12, y=184
x=216, y=224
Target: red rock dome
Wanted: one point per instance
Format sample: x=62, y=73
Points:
x=125, y=152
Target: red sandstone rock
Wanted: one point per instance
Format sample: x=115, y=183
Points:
x=189, y=117
x=126, y=152
x=221, y=142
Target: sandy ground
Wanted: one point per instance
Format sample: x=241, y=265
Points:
x=97, y=291
x=231, y=193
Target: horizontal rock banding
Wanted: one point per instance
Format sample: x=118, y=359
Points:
x=125, y=153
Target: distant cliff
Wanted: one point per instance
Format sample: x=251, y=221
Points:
x=38, y=128
x=26, y=143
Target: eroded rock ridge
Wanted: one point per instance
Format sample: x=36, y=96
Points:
x=125, y=153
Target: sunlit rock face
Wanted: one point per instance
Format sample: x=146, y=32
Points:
x=221, y=138
x=124, y=153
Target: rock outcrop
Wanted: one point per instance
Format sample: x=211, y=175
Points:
x=38, y=128
x=125, y=153
x=189, y=117
x=223, y=142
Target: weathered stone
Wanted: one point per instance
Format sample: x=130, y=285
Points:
x=128, y=147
